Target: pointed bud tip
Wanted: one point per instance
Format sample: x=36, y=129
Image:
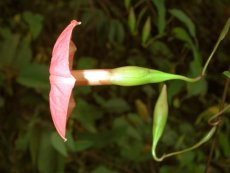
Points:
x=75, y=22
x=164, y=87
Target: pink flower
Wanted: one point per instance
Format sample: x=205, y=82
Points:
x=61, y=80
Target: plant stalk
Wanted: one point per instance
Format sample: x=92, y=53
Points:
x=221, y=106
x=220, y=38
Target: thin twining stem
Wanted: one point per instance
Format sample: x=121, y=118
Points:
x=213, y=120
x=217, y=124
x=220, y=38
x=203, y=140
x=198, y=144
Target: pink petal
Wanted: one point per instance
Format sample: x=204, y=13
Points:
x=72, y=50
x=61, y=79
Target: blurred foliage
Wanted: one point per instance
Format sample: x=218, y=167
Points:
x=110, y=128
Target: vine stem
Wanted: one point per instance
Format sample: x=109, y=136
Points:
x=210, y=57
x=213, y=144
x=220, y=38
x=212, y=132
x=198, y=144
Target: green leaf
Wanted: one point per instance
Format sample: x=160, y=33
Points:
x=34, y=21
x=174, y=88
x=120, y=32
x=70, y=143
x=132, y=21
x=127, y=3
x=102, y=19
x=103, y=169
x=227, y=74
x=58, y=144
x=116, y=32
x=130, y=139
x=160, y=48
x=186, y=159
x=34, y=145
x=8, y=47
x=34, y=76
x=161, y=11
x=170, y=134
x=195, y=65
x=86, y=63
x=133, y=152
x=141, y=15
x=23, y=55
x=15, y=52
x=24, y=138
x=49, y=161
x=180, y=15
x=182, y=35
x=82, y=145
x=83, y=90
x=224, y=143
x=98, y=139
x=136, y=59
x=117, y=105
x=87, y=114
x=146, y=30
x=198, y=88
x=112, y=31
x=130, y=131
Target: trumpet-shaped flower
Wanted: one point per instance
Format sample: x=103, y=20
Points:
x=61, y=79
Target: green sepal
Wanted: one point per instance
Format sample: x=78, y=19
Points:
x=133, y=75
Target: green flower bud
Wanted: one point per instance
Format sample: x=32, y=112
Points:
x=133, y=75
x=160, y=116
